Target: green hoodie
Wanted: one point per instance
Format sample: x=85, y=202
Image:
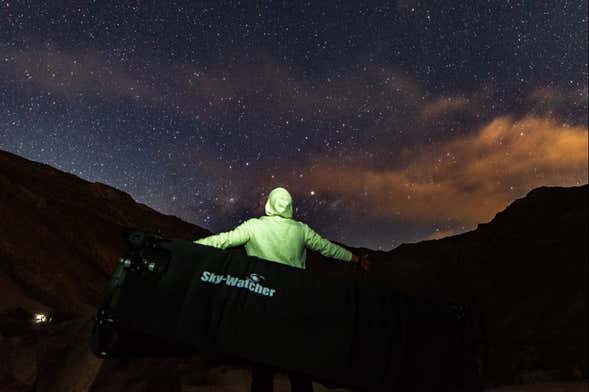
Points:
x=276, y=236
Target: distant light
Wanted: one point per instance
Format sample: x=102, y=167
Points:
x=312, y=193
x=40, y=318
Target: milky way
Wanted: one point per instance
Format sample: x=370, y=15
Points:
x=389, y=122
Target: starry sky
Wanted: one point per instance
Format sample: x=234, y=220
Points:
x=389, y=122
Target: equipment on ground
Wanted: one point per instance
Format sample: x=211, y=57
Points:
x=171, y=297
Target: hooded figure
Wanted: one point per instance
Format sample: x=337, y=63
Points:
x=277, y=236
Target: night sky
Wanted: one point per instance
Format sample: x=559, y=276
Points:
x=388, y=122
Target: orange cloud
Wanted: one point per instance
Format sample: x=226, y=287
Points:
x=443, y=105
x=437, y=234
x=465, y=180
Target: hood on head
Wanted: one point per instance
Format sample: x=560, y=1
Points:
x=279, y=203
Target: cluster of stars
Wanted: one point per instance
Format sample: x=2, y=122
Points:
x=197, y=110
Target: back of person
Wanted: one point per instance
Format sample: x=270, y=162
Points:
x=277, y=236
x=278, y=239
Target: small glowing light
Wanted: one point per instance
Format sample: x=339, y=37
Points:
x=312, y=193
x=40, y=318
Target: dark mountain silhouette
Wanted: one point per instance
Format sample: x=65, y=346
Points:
x=525, y=273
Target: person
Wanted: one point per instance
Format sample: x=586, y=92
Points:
x=279, y=238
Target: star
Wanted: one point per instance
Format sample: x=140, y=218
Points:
x=194, y=111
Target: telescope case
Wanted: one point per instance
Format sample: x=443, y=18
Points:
x=170, y=297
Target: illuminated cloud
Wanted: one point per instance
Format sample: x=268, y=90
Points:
x=390, y=155
x=565, y=103
x=437, y=234
x=466, y=180
x=443, y=105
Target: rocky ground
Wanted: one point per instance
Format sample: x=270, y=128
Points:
x=238, y=380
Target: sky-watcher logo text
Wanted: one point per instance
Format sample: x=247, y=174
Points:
x=252, y=283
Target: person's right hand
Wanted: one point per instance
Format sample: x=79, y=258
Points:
x=365, y=262
x=362, y=262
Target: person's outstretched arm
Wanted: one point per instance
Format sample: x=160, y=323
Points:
x=327, y=248
x=238, y=236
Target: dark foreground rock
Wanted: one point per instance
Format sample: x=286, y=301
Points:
x=524, y=273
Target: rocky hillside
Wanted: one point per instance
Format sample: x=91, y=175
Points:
x=525, y=272
x=60, y=238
